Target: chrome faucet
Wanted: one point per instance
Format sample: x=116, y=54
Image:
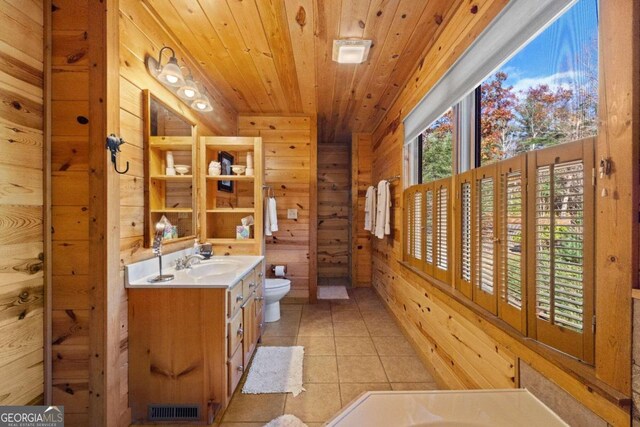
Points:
x=157, y=250
x=188, y=261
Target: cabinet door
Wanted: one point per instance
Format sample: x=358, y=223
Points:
x=248, y=315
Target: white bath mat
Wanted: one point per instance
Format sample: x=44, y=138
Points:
x=275, y=370
x=332, y=292
x=286, y=420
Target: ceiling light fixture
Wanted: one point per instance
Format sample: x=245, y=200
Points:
x=170, y=75
x=351, y=51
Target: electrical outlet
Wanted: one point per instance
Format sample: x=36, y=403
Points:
x=292, y=213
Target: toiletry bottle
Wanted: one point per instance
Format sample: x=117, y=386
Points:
x=196, y=247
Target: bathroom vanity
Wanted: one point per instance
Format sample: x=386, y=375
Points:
x=190, y=339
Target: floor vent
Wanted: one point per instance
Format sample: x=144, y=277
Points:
x=169, y=412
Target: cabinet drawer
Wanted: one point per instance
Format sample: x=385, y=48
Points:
x=249, y=284
x=235, y=299
x=235, y=369
x=235, y=333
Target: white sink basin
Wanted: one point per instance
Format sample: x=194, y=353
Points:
x=212, y=268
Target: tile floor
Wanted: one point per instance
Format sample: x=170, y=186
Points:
x=351, y=346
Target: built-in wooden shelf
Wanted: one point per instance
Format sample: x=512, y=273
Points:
x=231, y=178
x=173, y=178
x=230, y=144
x=635, y=293
x=172, y=210
x=231, y=210
x=232, y=241
x=174, y=143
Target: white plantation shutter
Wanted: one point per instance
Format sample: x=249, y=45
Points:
x=416, y=226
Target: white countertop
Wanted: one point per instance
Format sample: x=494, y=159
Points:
x=463, y=408
x=216, y=272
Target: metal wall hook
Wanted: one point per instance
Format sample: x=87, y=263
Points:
x=113, y=145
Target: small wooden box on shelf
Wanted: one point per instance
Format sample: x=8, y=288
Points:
x=225, y=205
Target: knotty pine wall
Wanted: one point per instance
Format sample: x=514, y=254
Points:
x=70, y=213
x=141, y=35
x=290, y=154
x=361, y=239
x=463, y=349
x=334, y=213
x=21, y=202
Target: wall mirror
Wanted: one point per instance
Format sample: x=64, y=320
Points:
x=170, y=172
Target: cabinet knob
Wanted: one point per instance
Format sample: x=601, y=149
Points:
x=259, y=298
x=239, y=298
x=261, y=325
x=252, y=285
x=260, y=274
x=240, y=331
x=240, y=368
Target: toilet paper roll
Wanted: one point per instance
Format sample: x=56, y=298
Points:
x=279, y=270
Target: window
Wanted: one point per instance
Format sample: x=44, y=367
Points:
x=547, y=94
x=436, y=144
x=513, y=230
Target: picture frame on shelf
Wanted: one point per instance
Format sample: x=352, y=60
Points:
x=226, y=160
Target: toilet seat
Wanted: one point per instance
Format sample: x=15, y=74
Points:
x=276, y=283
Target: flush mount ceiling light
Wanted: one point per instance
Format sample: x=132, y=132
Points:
x=351, y=51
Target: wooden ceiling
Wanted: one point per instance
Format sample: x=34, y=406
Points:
x=274, y=56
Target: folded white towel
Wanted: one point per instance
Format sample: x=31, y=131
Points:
x=383, y=210
x=273, y=214
x=370, y=210
x=267, y=222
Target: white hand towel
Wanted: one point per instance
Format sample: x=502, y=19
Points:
x=370, y=210
x=383, y=210
x=267, y=222
x=273, y=214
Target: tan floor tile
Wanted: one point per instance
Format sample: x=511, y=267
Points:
x=360, y=369
x=275, y=341
x=319, y=403
x=338, y=308
x=370, y=304
x=280, y=330
x=349, y=391
x=376, y=316
x=384, y=329
x=346, y=315
x=317, y=346
x=354, y=328
x=291, y=307
x=320, y=369
x=255, y=407
x=354, y=346
x=414, y=386
x=393, y=346
x=317, y=328
x=405, y=369
x=316, y=316
x=319, y=306
x=351, y=302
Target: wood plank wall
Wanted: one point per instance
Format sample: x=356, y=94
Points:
x=361, y=239
x=334, y=213
x=70, y=211
x=463, y=350
x=289, y=146
x=21, y=202
x=141, y=35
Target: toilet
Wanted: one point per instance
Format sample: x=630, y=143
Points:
x=274, y=291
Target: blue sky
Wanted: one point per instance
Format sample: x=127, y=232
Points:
x=552, y=56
